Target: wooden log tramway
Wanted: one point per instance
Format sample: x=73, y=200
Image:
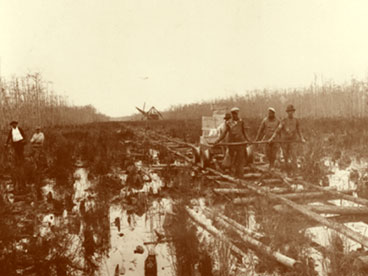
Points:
x=363, y=240
x=307, y=211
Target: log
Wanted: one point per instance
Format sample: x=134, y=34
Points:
x=244, y=235
x=215, y=232
x=252, y=175
x=244, y=200
x=231, y=191
x=342, y=195
x=313, y=215
x=175, y=141
x=329, y=209
x=234, y=223
x=225, y=183
x=330, y=190
x=305, y=195
x=166, y=166
x=243, y=191
x=214, y=177
x=271, y=181
x=361, y=261
x=186, y=158
x=291, y=196
x=251, y=143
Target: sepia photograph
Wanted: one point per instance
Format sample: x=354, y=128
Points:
x=184, y=137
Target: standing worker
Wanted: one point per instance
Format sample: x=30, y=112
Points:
x=37, y=141
x=290, y=131
x=265, y=132
x=236, y=133
x=17, y=139
x=222, y=127
x=226, y=163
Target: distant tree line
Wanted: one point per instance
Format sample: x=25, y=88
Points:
x=316, y=101
x=30, y=101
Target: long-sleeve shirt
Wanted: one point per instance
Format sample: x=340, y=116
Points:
x=221, y=129
x=267, y=128
x=38, y=138
x=15, y=135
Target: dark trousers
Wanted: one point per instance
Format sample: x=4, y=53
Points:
x=289, y=152
x=18, y=152
x=238, y=157
x=271, y=152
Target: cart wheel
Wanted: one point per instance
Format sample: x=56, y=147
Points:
x=196, y=155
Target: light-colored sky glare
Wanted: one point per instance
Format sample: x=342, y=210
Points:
x=117, y=54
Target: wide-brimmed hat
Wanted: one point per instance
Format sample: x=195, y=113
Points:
x=13, y=122
x=235, y=109
x=38, y=127
x=227, y=116
x=290, y=107
x=272, y=109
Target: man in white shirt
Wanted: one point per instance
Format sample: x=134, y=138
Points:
x=38, y=138
x=37, y=142
x=17, y=139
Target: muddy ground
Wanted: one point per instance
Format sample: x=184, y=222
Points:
x=103, y=201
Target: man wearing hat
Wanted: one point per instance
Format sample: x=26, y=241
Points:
x=221, y=128
x=290, y=131
x=17, y=139
x=235, y=130
x=265, y=132
x=226, y=163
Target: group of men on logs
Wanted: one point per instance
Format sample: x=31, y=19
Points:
x=234, y=135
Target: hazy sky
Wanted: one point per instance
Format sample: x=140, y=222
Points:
x=115, y=54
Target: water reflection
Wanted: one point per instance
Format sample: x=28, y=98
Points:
x=132, y=232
